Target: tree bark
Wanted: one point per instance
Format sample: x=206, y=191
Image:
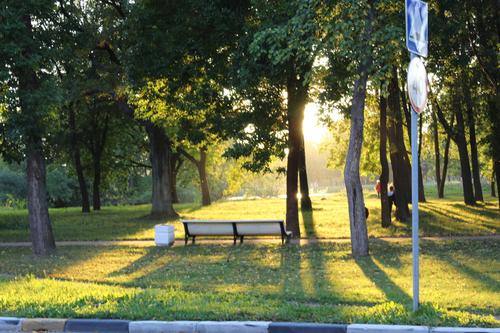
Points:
x=399, y=160
x=305, y=199
x=96, y=184
x=355, y=200
x=202, y=171
x=437, y=155
x=478, y=190
x=497, y=173
x=445, y=166
x=160, y=161
x=42, y=238
x=384, y=176
x=493, y=193
x=294, y=146
x=421, y=191
x=75, y=150
x=463, y=153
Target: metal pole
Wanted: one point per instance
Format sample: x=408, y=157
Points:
x=414, y=204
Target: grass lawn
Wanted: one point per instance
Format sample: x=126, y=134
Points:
x=317, y=282
x=329, y=218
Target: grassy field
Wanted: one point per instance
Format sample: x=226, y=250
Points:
x=329, y=219
x=318, y=282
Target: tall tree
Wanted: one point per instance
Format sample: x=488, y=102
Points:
x=28, y=72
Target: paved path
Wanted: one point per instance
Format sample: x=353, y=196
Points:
x=303, y=241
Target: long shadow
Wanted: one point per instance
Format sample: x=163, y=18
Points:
x=487, y=282
x=377, y=275
x=308, y=220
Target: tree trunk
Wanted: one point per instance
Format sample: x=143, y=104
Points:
x=201, y=166
x=355, y=200
x=445, y=166
x=202, y=171
x=493, y=193
x=294, y=146
x=458, y=136
x=399, y=160
x=421, y=191
x=384, y=176
x=497, y=173
x=160, y=161
x=437, y=155
x=175, y=162
x=464, y=158
x=96, y=186
x=305, y=199
x=75, y=148
x=478, y=190
x=42, y=238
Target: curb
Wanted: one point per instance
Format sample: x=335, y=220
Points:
x=12, y=324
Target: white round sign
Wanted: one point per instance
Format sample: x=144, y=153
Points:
x=417, y=84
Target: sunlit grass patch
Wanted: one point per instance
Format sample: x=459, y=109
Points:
x=318, y=282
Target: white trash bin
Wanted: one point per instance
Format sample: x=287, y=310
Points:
x=164, y=235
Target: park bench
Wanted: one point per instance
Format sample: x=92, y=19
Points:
x=236, y=228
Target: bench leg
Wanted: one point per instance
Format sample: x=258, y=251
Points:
x=282, y=240
x=234, y=239
x=194, y=239
x=241, y=239
x=186, y=238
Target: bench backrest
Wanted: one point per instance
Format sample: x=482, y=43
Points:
x=226, y=227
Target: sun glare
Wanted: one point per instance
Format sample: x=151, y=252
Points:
x=313, y=130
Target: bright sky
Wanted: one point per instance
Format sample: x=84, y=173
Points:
x=313, y=130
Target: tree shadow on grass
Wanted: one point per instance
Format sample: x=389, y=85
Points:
x=380, y=278
x=443, y=253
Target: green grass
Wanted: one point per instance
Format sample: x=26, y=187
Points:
x=329, y=219
x=318, y=282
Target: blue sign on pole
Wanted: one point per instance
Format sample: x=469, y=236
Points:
x=417, y=30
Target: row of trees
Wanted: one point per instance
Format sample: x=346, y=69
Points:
x=94, y=82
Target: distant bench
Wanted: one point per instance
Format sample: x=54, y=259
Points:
x=236, y=228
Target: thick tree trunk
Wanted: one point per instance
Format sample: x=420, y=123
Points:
x=399, y=159
x=478, y=190
x=202, y=171
x=75, y=149
x=305, y=199
x=42, y=238
x=437, y=155
x=385, y=213
x=160, y=161
x=356, y=203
